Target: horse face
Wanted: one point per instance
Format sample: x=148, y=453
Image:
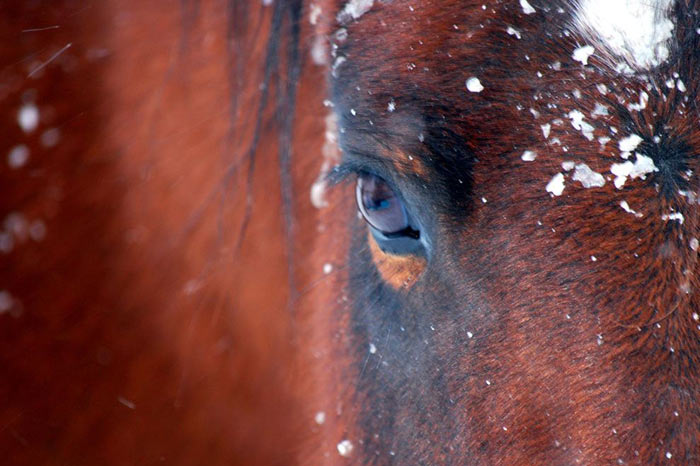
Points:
x=523, y=286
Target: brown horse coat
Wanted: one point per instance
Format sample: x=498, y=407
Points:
x=184, y=277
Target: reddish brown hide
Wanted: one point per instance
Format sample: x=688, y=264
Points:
x=169, y=295
x=138, y=326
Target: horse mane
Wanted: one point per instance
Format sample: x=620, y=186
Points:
x=139, y=249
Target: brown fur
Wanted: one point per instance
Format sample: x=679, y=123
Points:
x=177, y=309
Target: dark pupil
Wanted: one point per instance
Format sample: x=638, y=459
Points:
x=379, y=205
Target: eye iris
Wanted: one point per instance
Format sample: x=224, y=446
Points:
x=379, y=205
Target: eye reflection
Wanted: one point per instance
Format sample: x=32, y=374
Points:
x=380, y=206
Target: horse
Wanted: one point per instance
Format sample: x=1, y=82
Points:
x=350, y=232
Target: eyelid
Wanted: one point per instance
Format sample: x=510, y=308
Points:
x=342, y=172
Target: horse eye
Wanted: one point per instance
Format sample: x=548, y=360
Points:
x=380, y=206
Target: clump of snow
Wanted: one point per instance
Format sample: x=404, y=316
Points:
x=28, y=117
x=336, y=64
x=583, y=53
x=628, y=144
x=642, y=166
x=529, y=156
x=474, y=85
x=643, y=101
x=677, y=216
x=354, y=9
x=319, y=51
x=18, y=156
x=626, y=207
x=50, y=137
x=513, y=32
x=599, y=110
x=320, y=418
x=527, y=8
x=587, y=177
x=556, y=185
x=6, y=301
x=578, y=123
x=345, y=448
x=546, y=128
x=314, y=12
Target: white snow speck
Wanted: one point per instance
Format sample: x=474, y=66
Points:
x=669, y=455
x=643, y=101
x=599, y=110
x=583, y=53
x=677, y=216
x=474, y=85
x=372, y=348
x=6, y=301
x=354, y=9
x=391, y=106
x=513, y=32
x=18, y=156
x=594, y=259
x=529, y=156
x=319, y=51
x=314, y=13
x=556, y=185
x=628, y=144
x=345, y=448
x=680, y=85
x=546, y=128
x=527, y=8
x=327, y=268
x=336, y=64
x=587, y=177
x=320, y=418
x=28, y=117
x=470, y=334
x=568, y=165
x=642, y=166
x=578, y=123
x=694, y=244
x=50, y=137
x=626, y=207
x=331, y=156
x=126, y=402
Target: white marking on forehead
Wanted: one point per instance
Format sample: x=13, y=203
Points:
x=354, y=9
x=635, y=30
